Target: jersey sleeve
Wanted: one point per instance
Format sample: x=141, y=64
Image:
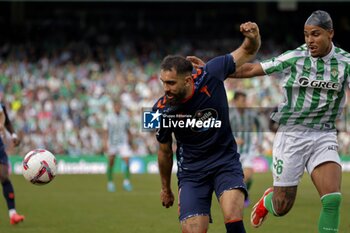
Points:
x=220, y=67
x=279, y=63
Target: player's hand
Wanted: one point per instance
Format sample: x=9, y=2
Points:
x=250, y=30
x=260, y=149
x=239, y=141
x=16, y=141
x=167, y=198
x=196, y=62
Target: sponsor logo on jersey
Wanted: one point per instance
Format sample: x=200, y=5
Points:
x=333, y=147
x=322, y=84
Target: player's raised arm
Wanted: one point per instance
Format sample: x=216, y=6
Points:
x=165, y=163
x=245, y=53
x=248, y=70
x=250, y=46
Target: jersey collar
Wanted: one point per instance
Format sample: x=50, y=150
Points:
x=325, y=58
x=189, y=97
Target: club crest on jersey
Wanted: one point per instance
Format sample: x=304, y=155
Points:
x=322, y=84
x=334, y=73
x=307, y=68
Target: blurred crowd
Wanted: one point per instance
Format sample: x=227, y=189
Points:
x=58, y=99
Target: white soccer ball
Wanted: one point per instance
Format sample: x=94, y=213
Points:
x=39, y=166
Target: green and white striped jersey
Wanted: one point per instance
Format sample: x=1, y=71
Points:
x=117, y=126
x=314, y=88
x=247, y=127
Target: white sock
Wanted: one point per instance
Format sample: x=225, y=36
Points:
x=12, y=212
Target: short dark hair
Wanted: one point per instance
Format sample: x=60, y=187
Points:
x=239, y=94
x=177, y=62
x=321, y=19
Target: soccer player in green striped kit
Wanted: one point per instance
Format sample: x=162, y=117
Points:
x=118, y=138
x=246, y=129
x=315, y=78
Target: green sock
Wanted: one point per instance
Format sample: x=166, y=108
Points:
x=269, y=204
x=109, y=173
x=127, y=172
x=249, y=184
x=330, y=213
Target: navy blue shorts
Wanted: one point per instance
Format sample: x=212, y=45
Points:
x=3, y=156
x=195, y=194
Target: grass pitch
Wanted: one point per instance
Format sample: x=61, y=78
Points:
x=81, y=204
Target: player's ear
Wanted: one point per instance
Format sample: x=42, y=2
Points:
x=188, y=79
x=331, y=33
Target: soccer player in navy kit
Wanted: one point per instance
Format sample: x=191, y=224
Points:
x=195, y=110
x=6, y=184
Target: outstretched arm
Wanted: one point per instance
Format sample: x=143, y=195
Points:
x=243, y=54
x=165, y=163
x=250, y=46
x=248, y=70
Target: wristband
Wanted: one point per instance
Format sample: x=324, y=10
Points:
x=14, y=135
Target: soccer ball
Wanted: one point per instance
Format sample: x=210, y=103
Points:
x=39, y=166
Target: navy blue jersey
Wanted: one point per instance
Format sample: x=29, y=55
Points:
x=3, y=154
x=201, y=149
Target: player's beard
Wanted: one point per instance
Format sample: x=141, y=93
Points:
x=174, y=99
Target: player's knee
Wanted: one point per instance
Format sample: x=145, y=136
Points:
x=282, y=207
x=279, y=212
x=197, y=224
x=283, y=200
x=3, y=177
x=331, y=202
